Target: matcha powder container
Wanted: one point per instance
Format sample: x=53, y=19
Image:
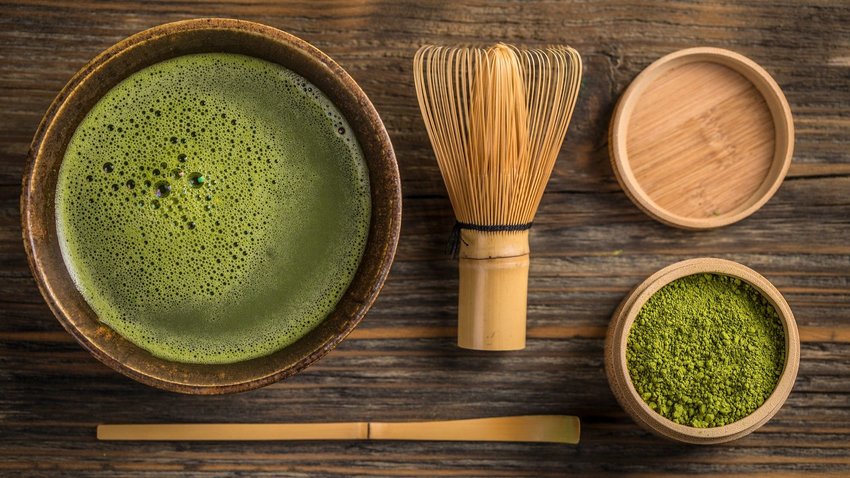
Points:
x=704, y=351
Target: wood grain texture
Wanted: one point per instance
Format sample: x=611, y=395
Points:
x=590, y=246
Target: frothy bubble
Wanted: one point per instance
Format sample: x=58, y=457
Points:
x=162, y=189
x=197, y=180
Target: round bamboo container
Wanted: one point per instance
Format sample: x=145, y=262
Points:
x=627, y=395
x=702, y=138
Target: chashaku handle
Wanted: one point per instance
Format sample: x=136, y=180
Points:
x=528, y=428
x=493, y=290
x=233, y=431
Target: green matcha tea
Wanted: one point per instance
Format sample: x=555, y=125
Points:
x=706, y=350
x=213, y=208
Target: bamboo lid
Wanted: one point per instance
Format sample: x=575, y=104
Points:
x=702, y=138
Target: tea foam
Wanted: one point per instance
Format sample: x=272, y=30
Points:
x=213, y=208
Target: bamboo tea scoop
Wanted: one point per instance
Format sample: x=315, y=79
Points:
x=529, y=428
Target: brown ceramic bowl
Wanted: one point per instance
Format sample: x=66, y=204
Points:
x=627, y=395
x=142, y=50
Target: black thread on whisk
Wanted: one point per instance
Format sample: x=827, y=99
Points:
x=454, y=238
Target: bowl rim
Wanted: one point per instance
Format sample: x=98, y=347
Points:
x=775, y=100
x=35, y=229
x=620, y=381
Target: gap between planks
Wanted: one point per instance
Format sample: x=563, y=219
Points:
x=808, y=334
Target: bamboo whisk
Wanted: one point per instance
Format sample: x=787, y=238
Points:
x=496, y=118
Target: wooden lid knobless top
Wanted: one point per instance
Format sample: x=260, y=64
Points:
x=702, y=138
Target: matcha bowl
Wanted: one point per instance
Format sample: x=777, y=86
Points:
x=154, y=46
x=645, y=410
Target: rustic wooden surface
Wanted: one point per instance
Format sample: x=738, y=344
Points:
x=590, y=245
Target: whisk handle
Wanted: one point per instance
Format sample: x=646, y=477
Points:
x=493, y=290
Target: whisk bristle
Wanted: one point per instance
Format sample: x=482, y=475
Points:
x=496, y=118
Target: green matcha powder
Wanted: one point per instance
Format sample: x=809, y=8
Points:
x=706, y=350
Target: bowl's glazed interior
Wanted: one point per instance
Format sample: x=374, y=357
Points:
x=145, y=49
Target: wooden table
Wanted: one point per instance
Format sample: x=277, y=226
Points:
x=590, y=246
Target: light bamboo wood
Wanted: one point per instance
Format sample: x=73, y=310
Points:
x=493, y=290
x=496, y=118
x=702, y=138
x=234, y=431
x=529, y=428
x=627, y=395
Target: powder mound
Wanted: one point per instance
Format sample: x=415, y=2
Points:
x=213, y=208
x=706, y=350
